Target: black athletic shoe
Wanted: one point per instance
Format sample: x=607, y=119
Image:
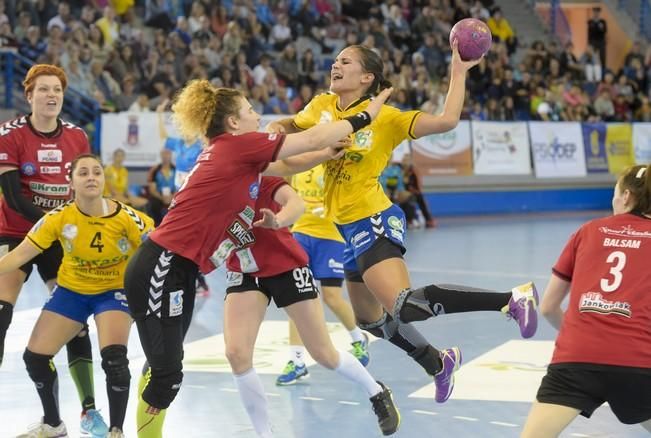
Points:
x=388, y=416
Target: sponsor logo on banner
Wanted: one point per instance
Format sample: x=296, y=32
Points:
x=4, y=157
x=448, y=153
x=50, y=156
x=49, y=189
x=557, y=149
x=594, y=146
x=642, y=142
x=619, y=147
x=500, y=148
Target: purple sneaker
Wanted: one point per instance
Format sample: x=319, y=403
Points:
x=444, y=380
x=523, y=307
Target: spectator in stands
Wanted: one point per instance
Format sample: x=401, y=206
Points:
x=281, y=33
x=597, y=30
x=501, y=29
x=303, y=98
x=569, y=62
x=117, y=182
x=24, y=22
x=128, y=96
x=286, y=66
x=604, y=106
x=592, y=65
x=102, y=80
x=161, y=186
x=279, y=103
x=158, y=14
x=63, y=19
x=32, y=46
x=643, y=113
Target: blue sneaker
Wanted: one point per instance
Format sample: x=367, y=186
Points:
x=292, y=373
x=444, y=380
x=93, y=425
x=360, y=350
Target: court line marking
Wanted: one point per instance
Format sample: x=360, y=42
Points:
x=344, y=402
x=459, y=417
x=500, y=423
x=418, y=411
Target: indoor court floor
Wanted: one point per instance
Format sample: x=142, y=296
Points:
x=494, y=387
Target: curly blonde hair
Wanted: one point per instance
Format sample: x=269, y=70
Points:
x=200, y=109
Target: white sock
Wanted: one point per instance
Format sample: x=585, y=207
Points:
x=297, y=354
x=350, y=368
x=357, y=334
x=254, y=400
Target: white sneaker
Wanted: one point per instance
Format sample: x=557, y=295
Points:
x=115, y=433
x=42, y=430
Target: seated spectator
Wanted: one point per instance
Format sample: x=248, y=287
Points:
x=141, y=104
x=161, y=186
x=32, y=46
x=591, y=64
x=128, y=96
x=117, y=182
x=501, y=29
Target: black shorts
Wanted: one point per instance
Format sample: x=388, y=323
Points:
x=159, y=282
x=587, y=386
x=47, y=263
x=286, y=289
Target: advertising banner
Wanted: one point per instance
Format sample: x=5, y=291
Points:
x=557, y=149
x=642, y=143
x=501, y=148
x=444, y=154
x=594, y=143
x=619, y=147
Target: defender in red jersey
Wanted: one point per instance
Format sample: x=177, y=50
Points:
x=276, y=266
x=210, y=216
x=603, y=348
x=36, y=152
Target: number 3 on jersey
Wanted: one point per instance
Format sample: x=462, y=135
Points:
x=97, y=242
x=618, y=260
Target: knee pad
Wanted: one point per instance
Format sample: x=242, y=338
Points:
x=412, y=305
x=377, y=328
x=428, y=358
x=79, y=347
x=116, y=367
x=40, y=367
x=163, y=386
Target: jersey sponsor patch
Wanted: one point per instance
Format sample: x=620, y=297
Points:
x=49, y=156
x=50, y=170
x=49, y=189
x=28, y=169
x=595, y=302
x=254, y=190
x=234, y=279
x=69, y=231
x=47, y=203
x=4, y=157
x=176, y=303
x=241, y=234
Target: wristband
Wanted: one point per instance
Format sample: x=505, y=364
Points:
x=359, y=120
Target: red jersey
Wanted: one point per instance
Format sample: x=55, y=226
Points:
x=43, y=163
x=212, y=213
x=275, y=251
x=608, y=319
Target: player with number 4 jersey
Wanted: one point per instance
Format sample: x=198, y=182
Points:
x=275, y=267
x=603, y=348
x=97, y=236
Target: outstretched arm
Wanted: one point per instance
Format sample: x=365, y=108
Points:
x=427, y=124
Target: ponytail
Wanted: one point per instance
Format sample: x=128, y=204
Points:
x=637, y=180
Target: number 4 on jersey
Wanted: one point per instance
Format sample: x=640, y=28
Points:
x=97, y=242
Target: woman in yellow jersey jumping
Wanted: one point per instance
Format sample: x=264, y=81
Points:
x=374, y=229
x=97, y=236
x=325, y=248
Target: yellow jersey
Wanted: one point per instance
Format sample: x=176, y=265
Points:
x=352, y=188
x=117, y=178
x=309, y=186
x=95, y=249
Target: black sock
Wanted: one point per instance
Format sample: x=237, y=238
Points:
x=6, y=313
x=43, y=373
x=433, y=300
x=408, y=339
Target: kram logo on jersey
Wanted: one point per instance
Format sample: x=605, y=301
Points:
x=49, y=189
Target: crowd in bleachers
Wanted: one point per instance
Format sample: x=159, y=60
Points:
x=132, y=55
